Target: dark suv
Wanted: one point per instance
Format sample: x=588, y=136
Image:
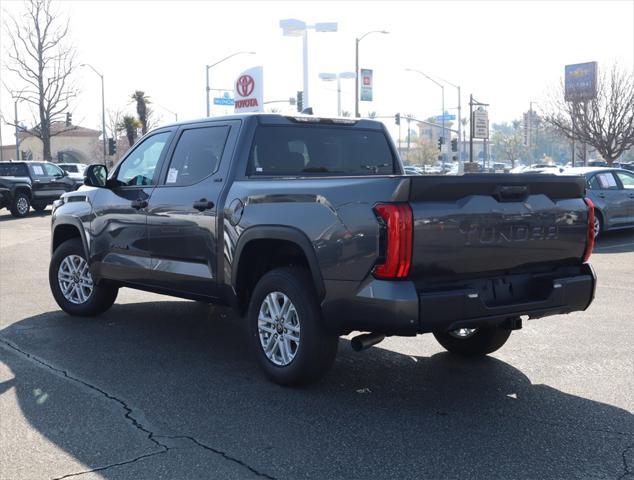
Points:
x=310, y=230
x=31, y=184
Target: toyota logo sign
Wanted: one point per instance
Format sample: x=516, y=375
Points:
x=245, y=85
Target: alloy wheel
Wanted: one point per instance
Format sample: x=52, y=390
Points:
x=279, y=328
x=75, y=280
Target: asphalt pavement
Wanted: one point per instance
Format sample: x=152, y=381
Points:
x=160, y=388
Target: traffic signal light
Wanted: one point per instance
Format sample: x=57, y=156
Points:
x=397, y=118
x=441, y=140
x=112, y=146
x=300, y=101
x=69, y=119
x=454, y=144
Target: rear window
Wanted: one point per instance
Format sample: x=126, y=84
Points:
x=318, y=151
x=13, y=170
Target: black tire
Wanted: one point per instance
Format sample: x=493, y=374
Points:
x=39, y=207
x=18, y=209
x=316, y=349
x=102, y=296
x=482, y=342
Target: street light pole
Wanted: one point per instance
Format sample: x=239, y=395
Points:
x=295, y=28
x=15, y=111
x=208, y=67
x=329, y=77
x=356, y=68
x=103, y=108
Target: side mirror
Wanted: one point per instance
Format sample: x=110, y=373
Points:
x=96, y=176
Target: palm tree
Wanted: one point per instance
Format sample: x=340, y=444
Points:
x=142, y=110
x=129, y=124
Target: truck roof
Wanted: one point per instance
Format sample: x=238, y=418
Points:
x=277, y=119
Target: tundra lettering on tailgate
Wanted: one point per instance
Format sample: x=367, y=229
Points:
x=484, y=235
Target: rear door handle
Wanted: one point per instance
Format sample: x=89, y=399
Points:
x=203, y=204
x=138, y=204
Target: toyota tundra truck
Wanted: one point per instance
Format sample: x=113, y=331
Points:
x=309, y=228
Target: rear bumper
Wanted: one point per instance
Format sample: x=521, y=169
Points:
x=397, y=308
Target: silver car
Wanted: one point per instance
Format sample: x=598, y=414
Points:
x=612, y=192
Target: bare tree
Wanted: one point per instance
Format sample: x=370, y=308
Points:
x=43, y=60
x=606, y=123
x=510, y=142
x=114, y=124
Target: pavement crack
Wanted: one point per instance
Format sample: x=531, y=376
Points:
x=127, y=415
x=151, y=436
x=225, y=455
x=627, y=470
x=106, y=467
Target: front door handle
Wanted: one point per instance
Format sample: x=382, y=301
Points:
x=203, y=204
x=138, y=204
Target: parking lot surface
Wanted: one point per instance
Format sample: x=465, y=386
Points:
x=163, y=388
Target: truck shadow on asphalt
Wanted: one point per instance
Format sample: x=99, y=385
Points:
x=178, y=374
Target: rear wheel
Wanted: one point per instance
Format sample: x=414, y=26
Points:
x=473, y=341
x=598, y=224
x=72, y=284
x=286, y=329
x=39, y=207
x=21, y=204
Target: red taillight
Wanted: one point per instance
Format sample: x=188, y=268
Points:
x=398, y=251
x=590, y=240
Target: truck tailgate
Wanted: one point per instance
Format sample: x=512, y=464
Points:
x=490, y=224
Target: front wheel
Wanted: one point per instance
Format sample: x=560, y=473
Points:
x=286, y=328
x=473, y=341
x=72, y=284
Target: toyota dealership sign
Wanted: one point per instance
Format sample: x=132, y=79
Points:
x=248, y=91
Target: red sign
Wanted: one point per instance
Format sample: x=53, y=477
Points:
x=245, y=85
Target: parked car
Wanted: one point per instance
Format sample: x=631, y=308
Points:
x=412, y=170
x=544, y=168
x=74, y=171
x=31, y=184
x=612, y=192
x=597, y=163
x=310, y=230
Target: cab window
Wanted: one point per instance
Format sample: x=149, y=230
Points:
x=197, y=155
x=139, y=167
x=627, y=179
x=603, y=181
x=52, y=170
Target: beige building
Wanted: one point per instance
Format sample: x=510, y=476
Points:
x=72, y=143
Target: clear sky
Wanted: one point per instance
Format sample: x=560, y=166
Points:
x=505, y=53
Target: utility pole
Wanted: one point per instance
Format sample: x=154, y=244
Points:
x=471, y=128
x=17, y=146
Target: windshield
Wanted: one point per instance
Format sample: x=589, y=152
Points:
x=315, y=151
x=69, y=168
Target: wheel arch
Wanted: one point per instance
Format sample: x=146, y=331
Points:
x=266, y=237
x=65, y=230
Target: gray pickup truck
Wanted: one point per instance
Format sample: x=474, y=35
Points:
x=310, y=230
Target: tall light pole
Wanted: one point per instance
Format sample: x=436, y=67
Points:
x=356, y=67
x=297, y=28
x=442, y=89
x=457, y=87
x=16, y=98
x=207, y=67
x=103, y=108
x=330, y=77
